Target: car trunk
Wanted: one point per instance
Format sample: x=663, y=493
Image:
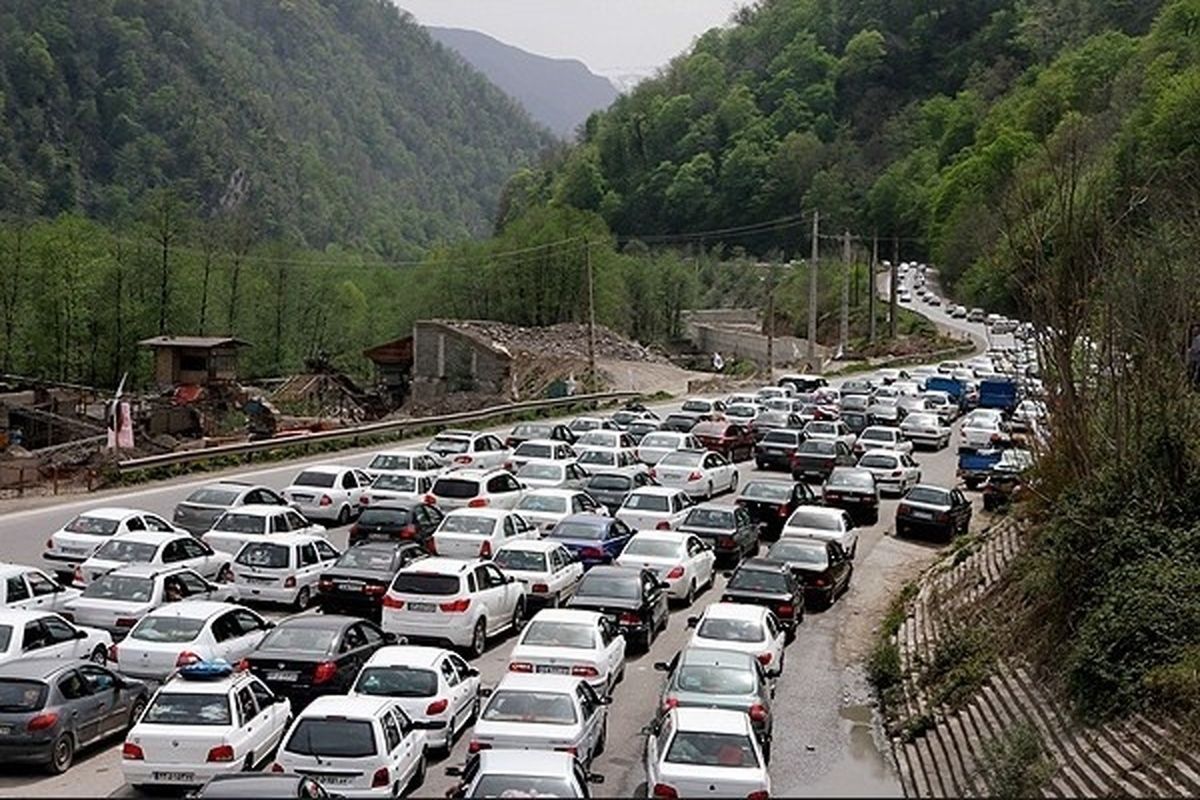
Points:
x=844, y=497
x=813, y=464
x=337, y=773
x=77, y=545
x=111, y=615
x=550, y=660
x=544, y=520
x=644, y=520
x=693, y=780
x=524, y=735
x=286, y=672
x=722, y=538
x=765, y=511
x=356, y=585
x=461, y=545
x=94, y=569
x=183, y=745
x=152, y=659
x=772, y=600
x=609, y=498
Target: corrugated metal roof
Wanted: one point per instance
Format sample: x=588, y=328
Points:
x=196, y=342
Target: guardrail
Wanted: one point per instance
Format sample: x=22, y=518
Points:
x=372, y=429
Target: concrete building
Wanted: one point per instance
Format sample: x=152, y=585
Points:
x=452, y=356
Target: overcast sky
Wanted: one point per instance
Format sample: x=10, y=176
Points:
x=610, y=36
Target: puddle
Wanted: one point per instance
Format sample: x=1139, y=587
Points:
x=864, y=768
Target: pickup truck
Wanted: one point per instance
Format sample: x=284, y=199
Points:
x=998, y=393
x=951, y=386
x=974, y=467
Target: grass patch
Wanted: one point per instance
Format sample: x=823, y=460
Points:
x=961, y=662
x=883, y=666
x=1015, y=764
x=897, y=611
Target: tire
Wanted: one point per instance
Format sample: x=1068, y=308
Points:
x=690, y=597
x=99, y=655
x=418, y=777
x=478, y=639
x=135, y=711
x=518, y=617
x=733, y=484
x=303, y=598
x=708, y=495
x=601, y=742
x=766, y=751
x=343, y=516
x=62, y=754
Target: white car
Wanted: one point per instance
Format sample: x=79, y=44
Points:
x=654, y=446
x=478, y=532
x=207, y=720
x=115, y=602
x=552, y=475
x=178, y=634
x=328, y=493
x=430, y=684
x=448, y=600
x=605, y=440
x=152, y=547
x=982, y=429
x=514, y=773
x=543, y=712
x=679, y=559
x=1030, y=412
x=469, y=449
x=582, y=644
x=356, y=746
x=834, y=430
x=829, y=524
x=654, y=508
x=926, y=429
x=71, y=544
x=283, y=569
x=475, y=488
x=200, y=510
x=943, y=405
x=607, y=459
x=251, y=523
x=703, y=405
x=744, y=413
x=706, y=752
x=700, y=473
x=547, y=570
x=751, y=629
x=741, y=399
x=409, y=487
x=30, y=589
x=42, y=634
x=545, y=508
x=882, y=437
x=551, y=450
x=420, y=462
x=894, y=472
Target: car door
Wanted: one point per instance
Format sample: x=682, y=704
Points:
x=298, y=524
x=570, y=570
x=86, y=712
x=156, y=523
x=45, y=593
x=326, y=554
x=200, y=557
x=839, y=564
x=62, y=640
x=194, y=586
x=308, y=564
x=962, y=507
x=651, y=595
x=592, y=711
x=491, y=597
x=348, y=490
x=849, y=534
x=270, y=722
x=104, y=699
x=702, y=558
x=745, y=532
x=455, y=689
x=400, y=740
x=776, y=639
x=613, y=643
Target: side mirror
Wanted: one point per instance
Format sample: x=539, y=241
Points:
x=662, y=666
x=389, y=638
x=472, y=672
x=268, y=625
x=453, y=772
x=80, y=633
x=595, y=778
x=727, y=574
x=280, y=699
x=664, y=584
x=693, y=622
x=485, y=691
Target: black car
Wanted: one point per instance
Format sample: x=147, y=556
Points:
x=680, y=422
x=358, y=580
x=640, y=427
x=310, y=655
x=822, y=567
x=395, y=521
x=854, y=490
x=764, y=582
x=265, y=785
x=524, y=431
x=610, y=489
x=777, y=449
x=730, y=531
x=816, y=458
x=932, y=510
x=770, y=503
x=634, y=598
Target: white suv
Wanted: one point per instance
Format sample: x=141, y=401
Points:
x=476, y=488
x=328, y=493
x=282, y=569
x=447, y=600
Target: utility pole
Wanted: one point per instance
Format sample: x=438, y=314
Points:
x=591, y=297
x=894, y=278
x=844, y=333
x=771, y=322
x=812, y=290
x=872, y=290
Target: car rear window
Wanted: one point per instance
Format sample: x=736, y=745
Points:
x=545, y=633
x=299, y=639
x=647, y=502
x=763, y=490
x=709, y=518
x=120, y=587
x=681, y=458
x=821, y=428
x=18, y=695
x=317, y=479
x=471, y=525
x=232, y=522
x=878, y=461
x=820, y=447
x=878, y=435
x=213, y=497
x=546, y=708
x=167, y=630
x=384, y=516
x=180, y=708
x=851, y=478
x=712, y=750
x=520, y=560
x=577, y=530
x=528, y=450
x=653, y=548
x=595, y=584
x=534, y=502
x=922, y=494
x=605, y=458
x=397, y=682
x=456, y=488
x=96, y=526
x=5, y=637
x=781, y=437
x=127, y=552
x=712, y=679
x=386, y=462
x=551, y=472
x=813, y=519
x=425, y=583
x=523, y=786
x=395, y=483
x=758, y=580
x=366, y=558
x=263, y=554
x=337, y=738
x=799, y=553
x=610, y=482
x=730, y=630
x=660, y=440
x=445, y=446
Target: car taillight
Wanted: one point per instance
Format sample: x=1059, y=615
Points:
x=325, y=672
x=78, y=575
x=354, y=530
x=572, y=750
x=431, y=546
x=670, y=702
x=325, y=585
x=485, y=549
x=289, y=582
x=663, y=526
x=630, y=618
x=364, y=500
x=326, y=500
x=520, y=666
x=126, y=622
x=437, y=707
x=221, y=752
x=785, y=610
x=42, y=722
x=664, y=791
x=508, y=465
x=408, y=532
x=463, y=459
x=131, y=752
x=112, y=653
x=185, y=658
x=585, y=671
x=478, y=502
x=903, y=509
x=676, y=572
x=456, y=606
x=392, y=602
x=782, y=511
x=382, y=777
x=540, y=588
x=591, y=552
x=374, y=589
x=818, y=581
x=243, y=665
x=429, y=500
x=695, y=476
x=475, y=746
x=764, y=658
x=725, y=541
x=758, y=712
x=761, y=794
x=943, y=516
x=49, y=544
x=896, y=473
x=653, y=473
x=277, y=767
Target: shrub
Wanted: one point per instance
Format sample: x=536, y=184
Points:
x=1014, y=765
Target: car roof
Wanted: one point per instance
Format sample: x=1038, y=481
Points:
x=222, y=685
x=411, y=452
x=716, y=656
x=192, y=609
x=340, y=705
x=251, y=784
x=441, y=565
x=711, y=720
x=289, y=538
x=7, y=569
x=734, y=611
x=148, y=570
x=526, y=762
x=20, y=616
x=548, y=442
x=326, y=468
x=531, y=545
x=472, y=474
x=148, y=537
x=521, y=681
x=456, y=433
x=319, y=621
x=614, y=570
x=879, y=451
x=411, y=655
x=763, y=565
x=568, y=493
x=662, y=491
x=111, y=512
x=595, y=520
x=257, y=509
x=659, y=536
x=572, y=615
x=35, y=668
x=826, y=510
x=486, y=513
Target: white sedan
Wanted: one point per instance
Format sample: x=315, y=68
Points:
x=545, y=508
x=894, y=472
x=152, y=547
x=699, y=473
x=882, y=437
x=679, y=559
x=545, y=568
x=654, y=508
x=703, y=752
x=30, y=589
x=328, y=493
x=479, y=532
x=654, y=446
x=38, y=634
x=750, y=629
x=926, y=429
x=828, y=524
x=583, y=644
x=982, y=429
x=182, y=633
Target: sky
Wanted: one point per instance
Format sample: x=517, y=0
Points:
x=612, y=37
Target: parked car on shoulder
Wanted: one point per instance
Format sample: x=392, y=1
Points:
x=933, y=510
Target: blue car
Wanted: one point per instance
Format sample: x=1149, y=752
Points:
x=591, y=538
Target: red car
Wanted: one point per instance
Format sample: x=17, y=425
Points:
x=735, y=442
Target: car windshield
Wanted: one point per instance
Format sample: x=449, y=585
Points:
x=731, y=630
x=299, y=639
x=619, y=483
x=425, y=583
x=653, y=548
x=607, y=458
x=263, y=554
x=710, y=518
x=816, y=520
x=332, y=738
x=820, y=447
x=878, y=461
x=536, y=502
x=545, y=472
x=799, y=553
x=764, y=490
x=382, y=515
x=578, y=530
x=448, y=444
x=532, y=450
x=455, y=488
x=582, y=424
x=368, y=558
x=233, y=522
x=598, y=439
x=386, y=461
x=397, y=681
x=758, y=580
x=924, y=494
x=506, y=785
x=322, y=480
x=545, y=633
x=180, y=708
x=521, y=560
x=120, y=587
x=127, y=552
x=471, y=525
x=546, y=708
x=395, y=483
x=532, y=431
x=697, y=406
x=167, y=630
x=781, y=437
x=213, y=497
x=647, y=502
x=660, y=440
x=821, y=429
x=922, y=421
x=608, y=585
x=713, y=679
x=680, y=458
x=851, y=478
x=96, y=526
x=742, y=411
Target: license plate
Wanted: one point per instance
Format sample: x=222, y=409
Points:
x=302, y=498
x=257, y=579
x=72, y=550
x=922, y=514
x=5, y=730
x=550, y=669
x=334, y=780
x=425, y=607
x=282, y=676
x=351, y=586
x=174, y=777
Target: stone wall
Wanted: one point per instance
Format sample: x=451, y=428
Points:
x=447, y=360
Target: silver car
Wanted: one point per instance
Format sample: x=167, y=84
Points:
x=711, y=678
x=116, y=601
x=542, y=712
x=200, y=510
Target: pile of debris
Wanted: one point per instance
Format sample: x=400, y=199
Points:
x=566, y=341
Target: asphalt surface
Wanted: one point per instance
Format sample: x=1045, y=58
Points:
x=826, y=735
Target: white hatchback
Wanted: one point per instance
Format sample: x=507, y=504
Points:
x=582, y=644
x=546, y=569
x=469, y=449
x=703, y=752
x=539, y=450
x=283, y=569
x=420, y=462
x=41, y=634
x=30, y=589
x=474, y=488
x=178, y=634
x=743, y=627
x=398, y=487
x=678, y=559
x=479, y=532
x=828, y=524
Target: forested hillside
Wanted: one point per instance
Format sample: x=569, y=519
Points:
x=316, y=121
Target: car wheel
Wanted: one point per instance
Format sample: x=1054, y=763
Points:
x=733, y=483
x=62, y=754
x=766, y=751
x=478, y=639
x=343, y=516
x=598, y=749
x=690, y=597
x=518, y=616
x=135, y=712
x=708, y=494
x=99, y=655
x=302, y=598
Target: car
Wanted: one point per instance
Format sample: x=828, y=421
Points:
x=547, y=570
x=854, y=490
x=682, y=560
x=927, y=430
x=699, y=473
x=773, y=392
x=703, y=406
x=154, y=547
x=206, y=720
x=633, y=597
x=542, y=712
x=607, y=459
x=816, y=458
x=115, y=601
x=826, y=524
x=311, y=655
x=540, y=450
x=894, y=473
x=252, y=523
x=470, y=449
x=447, y=600
x=50, y=709
x=769, y=503
x=733, y=440
x=770, y=584
x=1029, y=413
x=773, y=420
x=29, y=589
x=563, y=641
x=752, y=629
x=71, y=544
x=610, y=489
x=958, y=312
x=581, y=425
x=356, y=746
x=605, y=440
x=728, y=530
x=397, y=521
x=983, y=429
x=856, y=386
x=698, y=677
x=821, y=567
x=886, y=412
x=803, y=383
x=473, y=488
x=177, y=634
x=945, y=407
x=829, y=430
x=471, y=533
x=512, y=773
x=196, y=513
x=44, y=634
x=639, y=428
x=356, y=582
x=976, y=315
x=545, y=508
x=654, y=508
x=933, y=300
x=404, y=462
x=855, y=402
x=654, y=446
x=591, y=538
x=777, y=449
x=744, y=414
x=404, y=487
x=263, y=785
x=552, y=475
x=284, y=569
x=328, y=493
x=524, y=431
x=431, y=685
x=933, y=510
x=682, y=422
x=635, y=413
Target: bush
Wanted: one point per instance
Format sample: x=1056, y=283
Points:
x=961, y=662
x=1014, y=764
x=883, y=666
